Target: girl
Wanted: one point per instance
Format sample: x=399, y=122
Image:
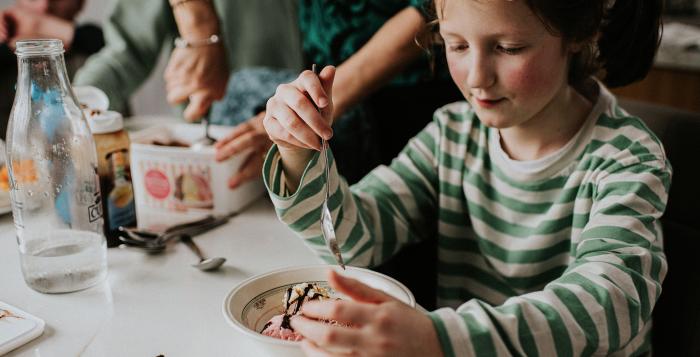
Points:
x=543, y=194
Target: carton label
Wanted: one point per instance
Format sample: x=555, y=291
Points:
x=157, y=184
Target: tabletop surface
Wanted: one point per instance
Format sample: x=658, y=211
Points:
x=155, y=305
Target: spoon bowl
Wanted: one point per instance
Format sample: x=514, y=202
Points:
x=205, y=264
x=206, y=140
x=210, y=264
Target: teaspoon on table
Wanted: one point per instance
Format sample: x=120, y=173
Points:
x=205, y=264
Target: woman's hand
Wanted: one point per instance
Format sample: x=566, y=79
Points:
x=21, y=24
x=294, y=123
x=199, y=74
x=379, y=325
x=248, y=135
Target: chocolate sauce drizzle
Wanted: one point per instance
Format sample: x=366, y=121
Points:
x=299, y=300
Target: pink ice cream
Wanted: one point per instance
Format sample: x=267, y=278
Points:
x=279, y=325
x=275, y=328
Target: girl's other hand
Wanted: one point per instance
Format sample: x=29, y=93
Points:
x=293, y=121
x=378, y=325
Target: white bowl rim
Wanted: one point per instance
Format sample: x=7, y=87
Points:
x=262, y=338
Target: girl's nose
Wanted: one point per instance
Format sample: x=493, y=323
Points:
x=481, y=74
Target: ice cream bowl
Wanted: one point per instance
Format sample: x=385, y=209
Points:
x=251, y=304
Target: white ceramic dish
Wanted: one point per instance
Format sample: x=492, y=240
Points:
x=18, y=329
x=254, y=301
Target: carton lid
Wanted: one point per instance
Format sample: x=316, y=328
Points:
x=91, y=97
x=102, y=122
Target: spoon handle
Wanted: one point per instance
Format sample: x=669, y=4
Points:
x=187, y=239
x=327, y=229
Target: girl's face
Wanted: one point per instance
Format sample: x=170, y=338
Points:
x=502, y=58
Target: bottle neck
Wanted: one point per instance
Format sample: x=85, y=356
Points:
x=39, y=74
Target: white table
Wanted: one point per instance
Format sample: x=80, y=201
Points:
x=152, y=305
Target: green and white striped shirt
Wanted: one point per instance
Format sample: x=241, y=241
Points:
x=560, y=256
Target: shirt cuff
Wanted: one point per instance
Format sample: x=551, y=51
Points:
x=275, y=180
x=452, y=333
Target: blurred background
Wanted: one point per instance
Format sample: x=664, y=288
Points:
x=150, y=98
x=674, y=81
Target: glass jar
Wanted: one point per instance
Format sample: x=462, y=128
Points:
x=54, y=187
x=112, y=146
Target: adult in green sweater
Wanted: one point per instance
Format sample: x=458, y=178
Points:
x=252, y=33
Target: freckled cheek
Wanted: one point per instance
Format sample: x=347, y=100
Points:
x=528, y=79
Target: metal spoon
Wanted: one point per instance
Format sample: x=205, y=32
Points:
x=206, y=140
x=327, y=228
x=156, y=243
x=205, y=264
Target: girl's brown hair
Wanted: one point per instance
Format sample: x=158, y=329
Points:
x=617, y=42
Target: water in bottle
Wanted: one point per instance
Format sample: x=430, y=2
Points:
x=56, y=202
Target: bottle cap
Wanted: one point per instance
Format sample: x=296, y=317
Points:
x=91, y=97
x=103, y=122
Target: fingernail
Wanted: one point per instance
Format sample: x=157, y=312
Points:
x=322, y=102
x=328, y=134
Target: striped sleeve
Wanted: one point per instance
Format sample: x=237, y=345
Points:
x=392, y=206
x=602, y=303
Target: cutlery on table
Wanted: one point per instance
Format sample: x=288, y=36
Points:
x=205, y=264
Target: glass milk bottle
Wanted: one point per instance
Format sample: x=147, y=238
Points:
x=52, y=164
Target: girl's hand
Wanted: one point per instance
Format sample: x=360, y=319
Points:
x=379, y=324
x=292, y=120
x=294, y=123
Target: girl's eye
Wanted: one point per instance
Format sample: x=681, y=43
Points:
x=510, y=50
x=458, y=48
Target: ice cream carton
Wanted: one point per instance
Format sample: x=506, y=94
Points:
x=174, y=183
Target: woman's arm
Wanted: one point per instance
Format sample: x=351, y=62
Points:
x=199, y=72
x=135, y=34
x=390, y=50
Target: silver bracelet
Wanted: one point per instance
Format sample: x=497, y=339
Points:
x=182, y=43
x=176, y=3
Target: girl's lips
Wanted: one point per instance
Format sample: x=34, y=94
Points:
x=488, y=103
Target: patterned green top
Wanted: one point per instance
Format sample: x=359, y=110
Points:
x=560, y=256
x=332, y=31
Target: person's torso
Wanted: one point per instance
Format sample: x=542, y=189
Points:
x=503, y=231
